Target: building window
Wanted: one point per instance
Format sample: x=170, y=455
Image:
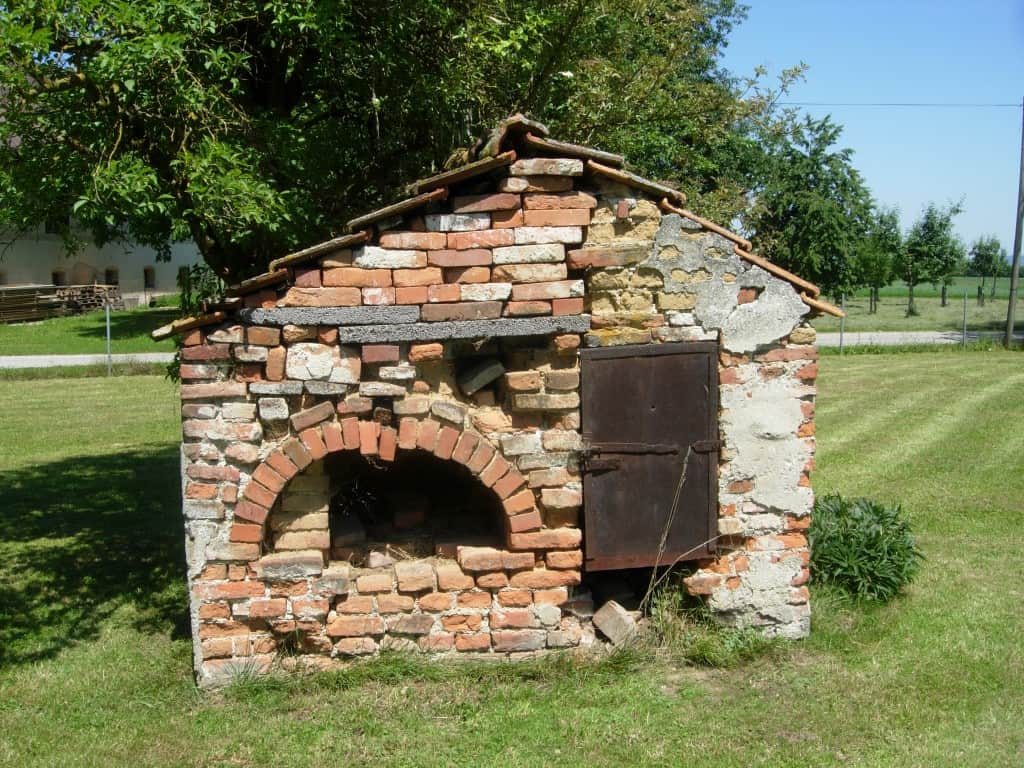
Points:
x=149, y=278
x=110, y=276
x=59, y=277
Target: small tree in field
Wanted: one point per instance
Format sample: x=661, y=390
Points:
x=881, y=246
x=987, y=255
x=933, y=253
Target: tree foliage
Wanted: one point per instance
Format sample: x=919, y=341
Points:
x=988, y=259
x=933, y=252
x=257, y=127
x=813, y=211
x=879, y=249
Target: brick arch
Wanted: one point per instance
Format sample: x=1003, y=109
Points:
x=448, y=442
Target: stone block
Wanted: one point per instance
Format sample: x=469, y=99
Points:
x=289, y=566
x=415, y=576
x=529, y=273
x=545, y=402
x=615, y=623
x=475, y=310
x=373, y=257
x=544, y=166
x=539, y=235
x=307, y=418
x=457, y=222
x=480, y=375
x=448, y=411
x=486, y=291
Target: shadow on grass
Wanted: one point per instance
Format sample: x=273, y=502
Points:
x=128, y=325
x=81, y=537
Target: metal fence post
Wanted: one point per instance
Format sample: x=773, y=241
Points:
x=110, y=362
x=842, y=322
x=963, y=342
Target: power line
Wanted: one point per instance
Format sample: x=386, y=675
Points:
x=955, y=105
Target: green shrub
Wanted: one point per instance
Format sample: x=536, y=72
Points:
x=863, y=547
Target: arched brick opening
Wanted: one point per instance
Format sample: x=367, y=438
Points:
x=447, y=442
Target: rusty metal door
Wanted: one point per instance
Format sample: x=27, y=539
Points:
x=648, y=411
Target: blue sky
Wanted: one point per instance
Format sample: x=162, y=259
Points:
x=916, y=51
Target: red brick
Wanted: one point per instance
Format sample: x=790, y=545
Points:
x=566, y=342
x=495, y=471
x=527, y=308
x=203, y=472
x=515, y=598
x=214, y=611
x=407, y=432
x=554, y=538
x=527, y=521
x=246, y=533
x=306, y=277
x=426, y=438
x=554, y=596
x=413, y=241
x=388, y=443
x=504, y=219
x=276, y=358
x=297, y=453
x=314, y=443
x=380, y=353
x=747, y=295
x=517, y=618
x=374, y=583
x=564, y=217
x=350, y=432
x=443, y=293
x=256, y=492
x=545, y=579
x=511, y=640
x=266, y=476
x=492, y=580
x=322, y=297
x=281, y=465
x=575, y=200
x=481, y=457
x=192, y=338
x=267, y=609
x=207, y=352
x=248, y=372
x=740, y=486
x=445, y=443
x=405, y=278
x=508, y=484
x=462, y=622
x=394, y=603
x=471, y=310
x=536, y=184
x=570, y=559
x=368, y=431
x=477, y=642
x=420, y=353
x=349, y=604
x=201, y=491
x=806, y=430
x=520, y=503
x=356, y=626
x=355, y=404
x=231, y=590
x=260, y=336
x=474, y=600
x=787, y=355
x=358, y=277
x=567, y=306
x=413, y=295
x=485, y=238
x=806, y=373
x=474, y=257
x=435, y=601
x=467, y=275
x=465, y=447
x=248, y=510
x=221, y=389
x=503, y=201
x=332, y=436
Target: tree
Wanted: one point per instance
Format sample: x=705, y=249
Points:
x=813, y=211
x=987, y=259
x=254, y=128
x=932, y=252
x=880, y=247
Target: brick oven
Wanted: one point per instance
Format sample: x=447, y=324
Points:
x=433, y=432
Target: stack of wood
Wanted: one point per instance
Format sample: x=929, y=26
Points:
x=26, y=303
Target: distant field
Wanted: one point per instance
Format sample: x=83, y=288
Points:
x=86, y=334
x=892, y=309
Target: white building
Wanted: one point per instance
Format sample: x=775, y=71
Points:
x=40, y=260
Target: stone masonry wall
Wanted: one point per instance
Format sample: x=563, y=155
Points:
x=455, y=330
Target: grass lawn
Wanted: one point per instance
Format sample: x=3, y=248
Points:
x=95, y=660
x=86, y=334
